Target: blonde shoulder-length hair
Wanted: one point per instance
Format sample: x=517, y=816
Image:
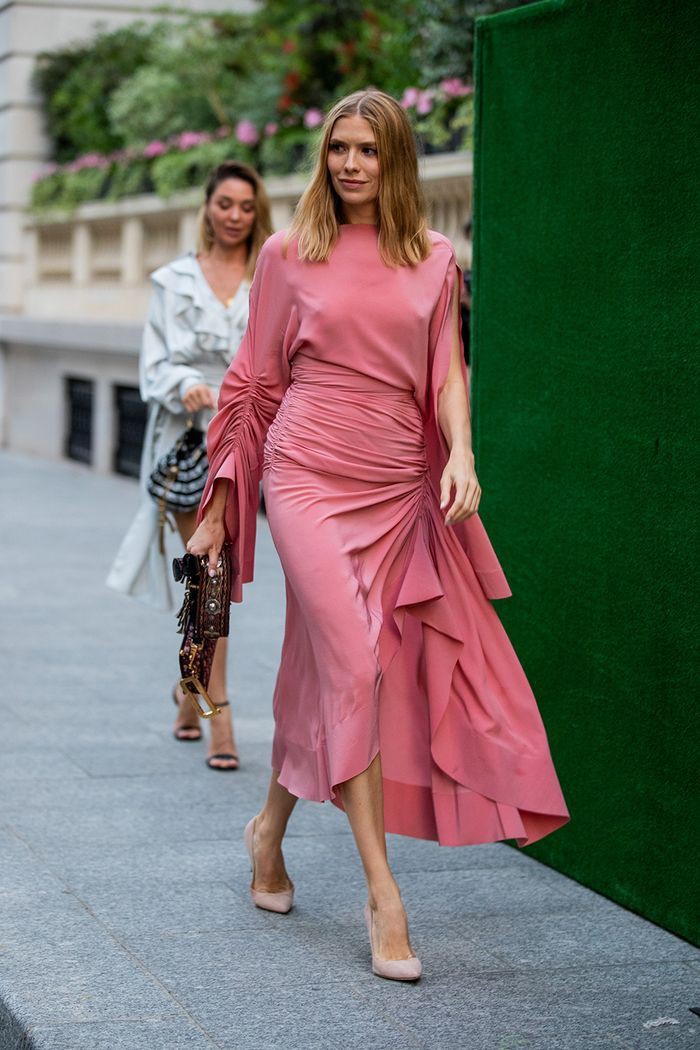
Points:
x=262, y=227
x=401, y=210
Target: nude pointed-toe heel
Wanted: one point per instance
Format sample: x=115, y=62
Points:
x=279, y=902
x=392, y=969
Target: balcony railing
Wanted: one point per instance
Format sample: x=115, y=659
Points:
x=94, y=263
x=70, y=357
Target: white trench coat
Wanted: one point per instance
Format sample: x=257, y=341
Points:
x=190, y=337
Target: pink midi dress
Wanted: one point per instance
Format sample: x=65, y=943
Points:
x=391, y=643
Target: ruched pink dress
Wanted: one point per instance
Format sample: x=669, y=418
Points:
x=391, y=643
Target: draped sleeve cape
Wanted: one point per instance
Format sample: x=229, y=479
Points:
x=253, y=389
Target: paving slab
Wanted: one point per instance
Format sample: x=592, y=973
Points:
x=121, y=1035
x=125, y=918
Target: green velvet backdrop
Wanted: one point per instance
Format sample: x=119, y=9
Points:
x=584, y=356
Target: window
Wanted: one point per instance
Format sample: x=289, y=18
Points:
x=79, y=396
x=131, y=425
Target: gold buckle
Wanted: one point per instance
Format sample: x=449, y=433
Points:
x=194, y=690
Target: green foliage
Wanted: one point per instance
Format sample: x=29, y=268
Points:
x=192, y=80
x=323, y=50
x=129, y=179
x=157, y=106
x=287, y=151
x=449, y=125
x=66, y=190
x=76, y=83
x=180, y=170
x=46, y=192
x=443, y=31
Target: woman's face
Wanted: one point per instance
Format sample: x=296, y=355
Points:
x=231, y=212
x=353, y=162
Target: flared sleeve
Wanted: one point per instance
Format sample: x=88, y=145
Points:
x=250, y=395
x=471, y=532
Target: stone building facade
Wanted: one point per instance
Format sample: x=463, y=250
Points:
x=74, y=289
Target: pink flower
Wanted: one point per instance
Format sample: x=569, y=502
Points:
x=289, y=121
x=410, y=97
x=155, y=149
x=190, y=139
x=246, y=132
x=453, y=87
x=424, y=103
x=270, y=127
x=312, y=118
x=43, y=173
x=223, y=132
x=88, y=160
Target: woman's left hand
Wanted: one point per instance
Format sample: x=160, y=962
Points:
x=459, y=476
x=199, y=396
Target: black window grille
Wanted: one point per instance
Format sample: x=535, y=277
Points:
x=131, y=426
x=79, y=397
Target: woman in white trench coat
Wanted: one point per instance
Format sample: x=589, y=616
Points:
x=196, y=320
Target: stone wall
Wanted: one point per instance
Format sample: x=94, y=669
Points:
x=26, y=28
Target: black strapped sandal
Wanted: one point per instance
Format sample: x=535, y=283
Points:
x=178, y=733
x=225, y=755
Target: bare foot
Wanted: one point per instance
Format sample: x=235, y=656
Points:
x=270, y=872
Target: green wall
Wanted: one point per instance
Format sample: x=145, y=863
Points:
x=585, y=342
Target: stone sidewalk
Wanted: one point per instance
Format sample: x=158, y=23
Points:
x=125, y=920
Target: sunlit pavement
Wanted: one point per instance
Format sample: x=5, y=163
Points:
x=125, y=920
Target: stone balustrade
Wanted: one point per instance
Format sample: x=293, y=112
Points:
x=94, y=263
x=69, y=357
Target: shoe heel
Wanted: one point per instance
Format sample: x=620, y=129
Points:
x=279, y=902
x=391, y=969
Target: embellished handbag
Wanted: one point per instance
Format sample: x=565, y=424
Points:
x=202, y=620
x=178, y=479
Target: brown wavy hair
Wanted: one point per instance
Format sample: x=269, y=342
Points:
x=262, y=227
x=403, y=227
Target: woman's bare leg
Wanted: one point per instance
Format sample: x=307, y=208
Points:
x=221, y=736
x=221, y=739
x=270, y=873
x=363, y=799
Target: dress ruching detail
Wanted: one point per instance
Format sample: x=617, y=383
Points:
x=248, y=401
x=391, y=642
x=239, y=460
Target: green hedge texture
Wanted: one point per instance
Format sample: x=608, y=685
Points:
x=585, y=395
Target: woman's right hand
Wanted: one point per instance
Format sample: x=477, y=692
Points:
x=200, y=396
x=208, y=539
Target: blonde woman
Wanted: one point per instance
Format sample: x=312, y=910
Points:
x=196, y=320
x=399, y=696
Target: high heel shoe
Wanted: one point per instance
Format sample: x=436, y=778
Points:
x=280, y=902
x=392, y=969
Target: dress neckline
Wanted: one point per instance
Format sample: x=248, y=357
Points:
x=226, y=307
